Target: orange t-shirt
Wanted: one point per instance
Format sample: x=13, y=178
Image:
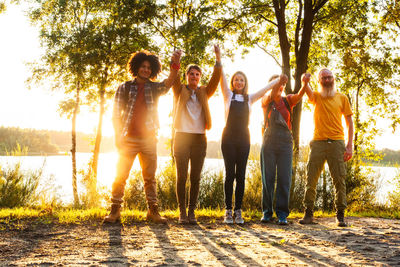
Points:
x=328, y=116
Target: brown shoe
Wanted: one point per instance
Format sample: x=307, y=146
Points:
x=308, y=217
x=192, y=217
x=115, y=214
x=154, y=216
x=183, y=218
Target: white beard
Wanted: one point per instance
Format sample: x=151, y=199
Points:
x=328, y=92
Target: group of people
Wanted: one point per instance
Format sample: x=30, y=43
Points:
x=136, y=122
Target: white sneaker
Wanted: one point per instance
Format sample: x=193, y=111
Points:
x=228, y=217
x=238, y=217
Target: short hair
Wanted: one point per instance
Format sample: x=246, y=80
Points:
x=193, y=66
x=136, y=60
x=273, y=77
x=324, y=69
x=246, y=85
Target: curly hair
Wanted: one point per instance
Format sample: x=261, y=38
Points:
x=136, y=60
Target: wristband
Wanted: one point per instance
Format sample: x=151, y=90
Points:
x=175, y=66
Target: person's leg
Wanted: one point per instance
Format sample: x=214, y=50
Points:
x=268, y=172
x=315, y=164
x=148, y=163
x=284, y=179
x=337, y=169
x=197, y=156
x=228, y=153
x=241, y=163
x=181, y=153
x=124, y=165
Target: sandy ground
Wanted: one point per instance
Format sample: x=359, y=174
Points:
x=367, y=242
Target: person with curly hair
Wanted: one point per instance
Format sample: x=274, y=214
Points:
x=135, y=123
x=191, y=120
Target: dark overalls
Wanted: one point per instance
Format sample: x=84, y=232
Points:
x=276, y=161
x=235, y=147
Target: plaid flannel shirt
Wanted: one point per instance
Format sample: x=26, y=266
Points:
x=124, y=103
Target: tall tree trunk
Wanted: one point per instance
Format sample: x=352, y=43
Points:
x=302, y=48
x=73, y=149
x=96, y=150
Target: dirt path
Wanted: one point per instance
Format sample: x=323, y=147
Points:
x=368, y=242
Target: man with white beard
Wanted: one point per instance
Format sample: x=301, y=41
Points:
x=328, y=144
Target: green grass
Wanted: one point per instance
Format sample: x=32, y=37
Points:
x=18, y=216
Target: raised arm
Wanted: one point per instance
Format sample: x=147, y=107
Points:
x=213, y=83
x=257, y=95
x=226, y=92
x=350, y=131
x=305, y=79
x=275, y=88
x=175, y=65
x=309, y=92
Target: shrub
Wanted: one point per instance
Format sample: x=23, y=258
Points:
x=253, y=189
x=92, y=196
x=135, y=197
x=166, y=186
x=394, y=196
x=211, y=193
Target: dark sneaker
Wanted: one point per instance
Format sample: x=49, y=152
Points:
x=266, y=219
x=283, y=221
x=340, y=219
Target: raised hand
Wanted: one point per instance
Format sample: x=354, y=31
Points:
x=176, y=56
x=283, y=79
x=217, y=53
x=305, y=78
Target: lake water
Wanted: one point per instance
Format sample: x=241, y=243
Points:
x=58, y=171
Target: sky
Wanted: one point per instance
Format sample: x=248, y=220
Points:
x=37, y=107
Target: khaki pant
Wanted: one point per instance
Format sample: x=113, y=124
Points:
x=331, y=151
x=146, y=149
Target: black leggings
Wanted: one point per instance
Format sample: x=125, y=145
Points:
x=235, y=158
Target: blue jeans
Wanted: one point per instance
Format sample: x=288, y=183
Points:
x=276, y=163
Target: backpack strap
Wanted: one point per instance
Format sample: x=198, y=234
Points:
x=288, y=108
x=272, y=103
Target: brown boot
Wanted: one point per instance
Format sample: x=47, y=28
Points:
x=115, y=214
x=192, y=217
x=154, y=216
x=308, y=217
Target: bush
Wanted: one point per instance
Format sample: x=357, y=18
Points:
x=135, y=197
x=166, y=186
x=253, y=189
x=394, y=196
x=92, y=196
x=17, y=187
x=211, y=193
